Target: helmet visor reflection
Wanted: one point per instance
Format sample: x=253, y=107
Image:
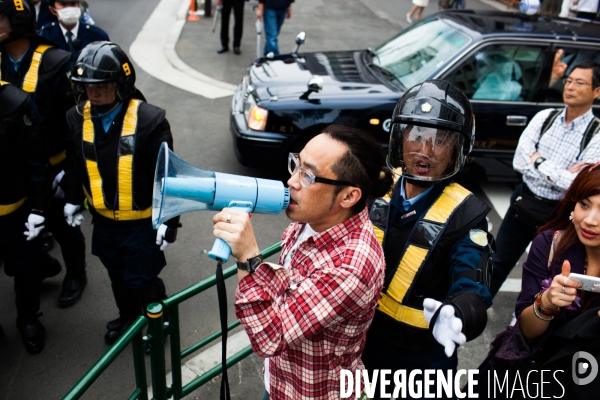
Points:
x=425, y=153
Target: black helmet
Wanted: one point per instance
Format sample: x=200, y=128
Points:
x=432, y=132
x=21, y=16
x=103, y=62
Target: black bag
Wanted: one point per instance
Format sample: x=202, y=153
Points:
x=532, y=211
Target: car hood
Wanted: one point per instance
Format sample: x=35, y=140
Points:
x=343, y=73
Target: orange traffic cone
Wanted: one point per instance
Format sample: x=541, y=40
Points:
x=192, y=16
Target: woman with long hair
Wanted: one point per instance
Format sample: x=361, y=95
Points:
x=555, y=319
x=570, y=242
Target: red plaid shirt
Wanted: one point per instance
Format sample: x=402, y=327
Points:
x=311, y=320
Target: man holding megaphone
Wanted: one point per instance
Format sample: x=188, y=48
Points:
x=116, y=140
x=308, y=314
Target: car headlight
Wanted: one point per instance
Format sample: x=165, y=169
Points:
x=256, y=116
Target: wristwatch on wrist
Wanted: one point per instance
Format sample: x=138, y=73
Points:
x=251, y=264
x=538, y=161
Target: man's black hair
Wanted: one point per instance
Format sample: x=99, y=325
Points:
x=363, y=164
x=595, y=67
x=53, y=2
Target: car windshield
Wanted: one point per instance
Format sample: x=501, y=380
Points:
x=415, y=54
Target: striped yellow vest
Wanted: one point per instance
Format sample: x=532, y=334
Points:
x=415, y=256
x=30, y=83
x=124, y=209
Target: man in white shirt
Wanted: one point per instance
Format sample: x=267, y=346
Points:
x=555, y=146
x=587, y=9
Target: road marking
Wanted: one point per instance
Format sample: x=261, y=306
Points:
x=154, y=52
x=208, y=359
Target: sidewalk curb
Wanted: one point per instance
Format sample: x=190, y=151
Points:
x=155, y=53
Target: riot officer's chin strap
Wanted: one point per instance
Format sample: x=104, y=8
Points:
x=101, y=111
x=421, y=184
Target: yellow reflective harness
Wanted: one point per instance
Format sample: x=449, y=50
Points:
x=415, y=255
x=30, y=83
x=6, y=209
x=32, y=76
x=125, y=209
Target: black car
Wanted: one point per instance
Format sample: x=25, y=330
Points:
x=502, y=61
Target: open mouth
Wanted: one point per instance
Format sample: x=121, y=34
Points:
x=422, y=167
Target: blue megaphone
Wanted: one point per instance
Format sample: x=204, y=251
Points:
x=180, y=187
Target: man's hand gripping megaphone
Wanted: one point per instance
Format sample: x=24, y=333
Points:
x=234, y=227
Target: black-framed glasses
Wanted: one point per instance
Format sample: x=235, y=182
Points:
x=307, y=178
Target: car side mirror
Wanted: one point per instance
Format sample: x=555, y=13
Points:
x=315, y=84
x=300, y=38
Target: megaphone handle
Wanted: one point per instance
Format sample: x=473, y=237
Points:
x=220, y=250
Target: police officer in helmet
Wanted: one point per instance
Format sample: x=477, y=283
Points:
x=434, y=235
x=22, y=204
x=35, y=65
x=117, y=137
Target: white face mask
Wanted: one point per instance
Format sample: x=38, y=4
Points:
x=69, y=15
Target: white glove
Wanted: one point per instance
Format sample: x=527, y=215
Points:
x=160, y=237
x=73, y=217
x=34, y=225
x=447, y=327
x=59, y=193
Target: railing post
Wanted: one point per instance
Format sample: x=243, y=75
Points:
x=139, y=364
x=157, y=351
x=175, y=351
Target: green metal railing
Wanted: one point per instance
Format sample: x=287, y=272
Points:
x=154, y=342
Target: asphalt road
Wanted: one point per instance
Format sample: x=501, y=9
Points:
x=201, y=134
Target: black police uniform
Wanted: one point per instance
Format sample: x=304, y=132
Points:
x=86, y=34
x=399, y=337
x=43, y=72
x=115, y=169
x=22, y=189
x=436, y=245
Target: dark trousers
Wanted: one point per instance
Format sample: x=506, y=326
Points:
x=129, y=252
x=23, y=261
x=380, y=355
x=513, y=238
x=71, y=240
x=238, y=28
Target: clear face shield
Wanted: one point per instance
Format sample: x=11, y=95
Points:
x=425, y=154
x=102, y=96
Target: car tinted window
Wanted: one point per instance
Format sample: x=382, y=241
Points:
x=415, y=54
x=499, y=72
x=571, y=57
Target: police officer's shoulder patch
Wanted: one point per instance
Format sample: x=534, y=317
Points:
x=478, y=236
